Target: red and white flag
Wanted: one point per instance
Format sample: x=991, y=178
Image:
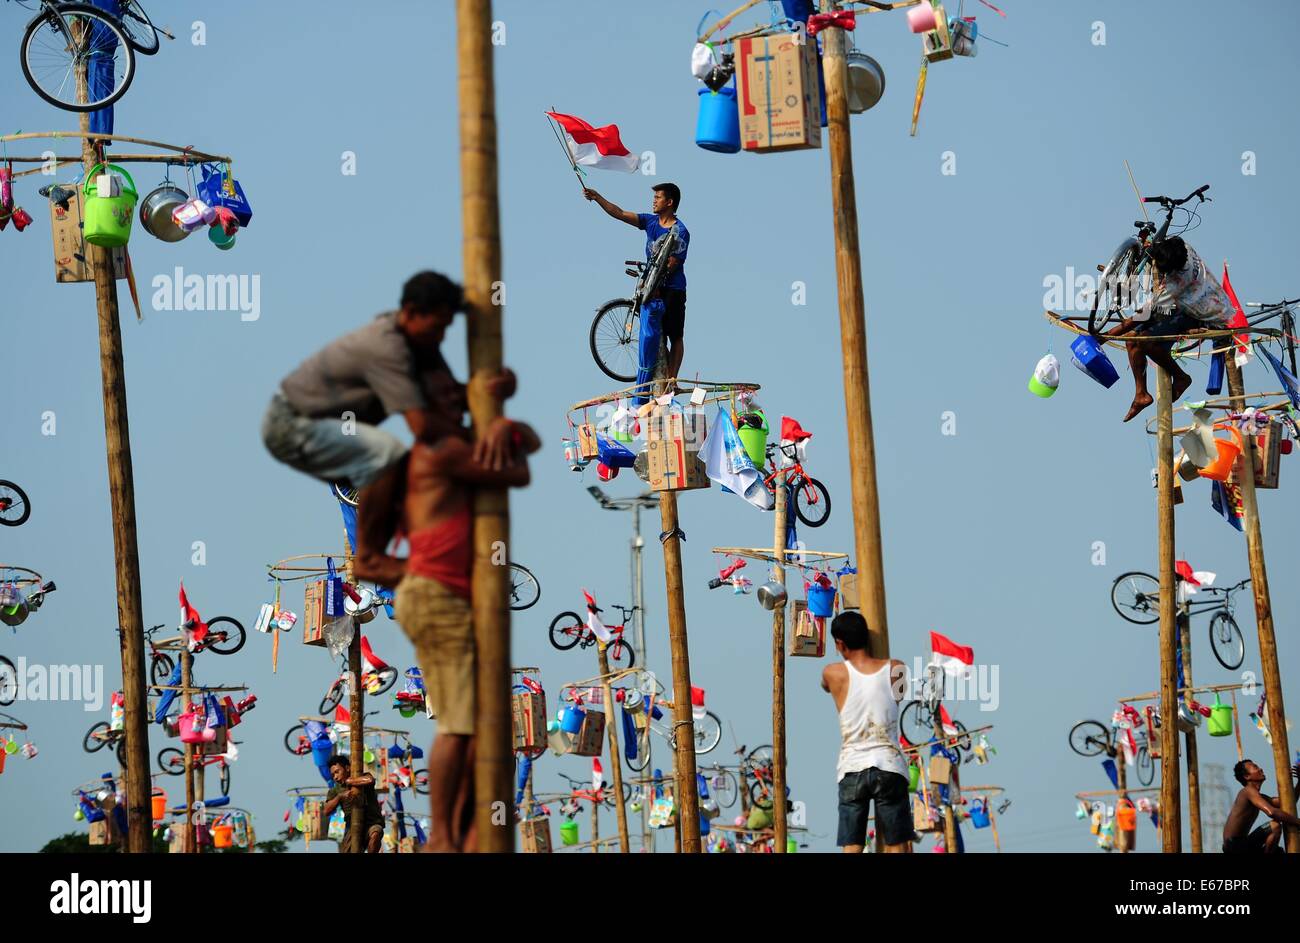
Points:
x=594, y=625
x=374, y=661
x=595, y=147
x=192, y=624
x=1238, y=319
x=945, y=721
x=342, y=715
x=953, y=658
x=597, y=775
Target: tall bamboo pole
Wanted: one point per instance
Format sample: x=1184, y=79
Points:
x=1121, y=770
x=1193, y=764
x=853, y=342
x=638, y=600
x=480, y=224
x=190, y=842
x=620, y=807
x=1171, y=825
x=778, y=674
x=1264, y=618
x=121, y=495
x=357, y=723
x=954, y=789
x=687, y=794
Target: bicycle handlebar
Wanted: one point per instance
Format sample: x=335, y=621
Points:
x=1170, y=202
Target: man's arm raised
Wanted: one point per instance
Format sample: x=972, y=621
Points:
x=613, y=210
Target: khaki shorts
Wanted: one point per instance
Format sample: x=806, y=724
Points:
x=438, y=623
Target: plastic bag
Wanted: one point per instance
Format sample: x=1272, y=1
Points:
x=338, y=633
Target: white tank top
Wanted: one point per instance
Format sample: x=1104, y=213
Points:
x=869, y=725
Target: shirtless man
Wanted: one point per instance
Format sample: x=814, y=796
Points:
x=433, y=600
x=1267, y=839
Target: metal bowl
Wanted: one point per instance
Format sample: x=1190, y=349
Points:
x=771, y=595
x=156, y=213
x=866, y=82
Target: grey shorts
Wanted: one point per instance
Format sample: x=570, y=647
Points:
x=327, y=449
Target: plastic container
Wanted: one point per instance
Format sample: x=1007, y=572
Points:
x=569, y=833
x=718, y=126
x=821, y=600
x=921, y=19
x=1229, y=450
x=1125, y=815
x=1092, y=360
x=159, y=802
x=220, y=238
x=913, y=777
x=223, y=836
x=107, y=219
x=1220, y=723
x=572, y=720
x=755, y=440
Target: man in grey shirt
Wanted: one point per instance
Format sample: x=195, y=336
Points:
x=324, y=419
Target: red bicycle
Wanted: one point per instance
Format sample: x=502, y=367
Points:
x=812, y=502
x=172, y=762
x=569, y=629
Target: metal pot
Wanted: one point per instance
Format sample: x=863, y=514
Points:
x=1188, y=719
x=362, y=611
x=866, y=82
x=771, y=595
x=156, y=213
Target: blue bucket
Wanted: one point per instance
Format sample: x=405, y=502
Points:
x=573, y=717
x=821, y=601
x=718, y=126
x=321, y=751
x=979, y=815
x=1090, y=357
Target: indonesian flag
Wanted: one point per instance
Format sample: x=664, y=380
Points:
x=945, y=721
x=342, y=715
x=793, y=434
x=199, y=631
x=953, y=658
x=1191, y=579
x=597, y=775
x=595, y=147
x=594, y=625
x=374, y=661
x=1238, y=319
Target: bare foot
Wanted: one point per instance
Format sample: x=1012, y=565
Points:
x=1140, y=402
x=1180, y=385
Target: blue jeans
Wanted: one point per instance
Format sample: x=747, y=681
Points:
x=325, y=449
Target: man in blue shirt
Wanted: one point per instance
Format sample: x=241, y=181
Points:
x=663, y=219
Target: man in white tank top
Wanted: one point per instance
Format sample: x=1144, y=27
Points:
x=871, y=766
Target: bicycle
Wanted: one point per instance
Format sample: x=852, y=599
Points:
x=615, y=331
x=569, y=629
x=221, y=641
x=376, y=679
x=916, y=721
x=707, y=725
x=812, y=501
x=582, y=791
x=1090, y=738
x=101, y=735
x=758, y=766
x=65, y=41
x=722, y=782
x=1128, y=279
x=1136, y=597
x=8, y=682
x=14, y=506
x=172, y=762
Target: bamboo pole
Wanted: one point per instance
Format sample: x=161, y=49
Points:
x=853, y=340
x=189, y=844
x=357, y=722
x=480, y=224
x=1264, y=619
x=688, y=799
x=778, y=673
x=121, y=493
x=1121, y=769
x=1170, y=812
x=993, y=823
x=620, y=808
x=1193, y=764
x=1236, y=726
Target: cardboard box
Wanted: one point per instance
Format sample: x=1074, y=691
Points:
x=317, y=822
x=71, y=254
x=587, y=447
x=936, y=45
x=922, y=819
x=313, y=614
x=590, y=740
x=176, y=845
x=940, y=770
x=849, y=591
x=673, y=441
x=99, y=833
x=779, y=93
x=216, y=746
x=535, y=836
x=807, y=632
x=1268, y=457
x=528, y=720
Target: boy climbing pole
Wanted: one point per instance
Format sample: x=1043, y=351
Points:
x=658, y=223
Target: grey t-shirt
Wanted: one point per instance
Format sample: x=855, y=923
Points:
x=371, y=372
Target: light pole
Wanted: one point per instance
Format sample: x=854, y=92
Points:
x=634, y=505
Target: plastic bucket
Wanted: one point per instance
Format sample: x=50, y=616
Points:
x=1125, y=816
x=1090, y=357
x=718, y=126
x=223, y=836
x=755, y=441
x=921, y=19
x=159, y=802
x=979, y=815
x=913, y=777
x=1221, y=467
x=1220, y=723
x=569, y=833
x=821, y=601
x=218, y=237
x=571, y=722
x=108, y=218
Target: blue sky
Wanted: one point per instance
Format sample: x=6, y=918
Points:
x=988, y=533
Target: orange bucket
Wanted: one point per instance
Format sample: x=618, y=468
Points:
x=1126, y=816
x=159, y=800
x=1221, y=467
x=223, y=836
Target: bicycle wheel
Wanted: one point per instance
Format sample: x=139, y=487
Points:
x=420, y=781
x=812, y=502
x=121, y=752
x=295, y=741
x=139, y=29
x=761, y=793
x=8, y=682
x=160, y=668
x=14, y=506
x=620, y=655
x=1146, y=767
x=1136, y=597
x=724, y=788
x=1227, y=641
x=708, y=733
x=91, y=743
x=225, y=779
x=226, y=634
x=1115, y=288
x=171, y=761
x=616, y=339
x=760, y=758
x=525, y=590
x=567, y=630
x=1089, y=738
x=916, y=723
x=333, y=697
x=348, y=495
x=963, y=744
x=51, y=60
x=387, y=676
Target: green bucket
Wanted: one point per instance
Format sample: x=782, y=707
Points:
x=107, y=219
x=569, y=833
x=1220, y=724
x=755, y=441
x=913, y=777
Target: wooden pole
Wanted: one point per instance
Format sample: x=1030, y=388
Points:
x=638, y=599
x=481, y=236
x=778, y=674
x=949, y=817
x=1171, y=826
x=121, y=495
x=190, y=841
x=853, y=342
x=357, y=723
x=1121, y=769
x=620, y=807
x=1264, y=617
x=200, y=793
x=1236, y=726
x=688, y=798
x=1193, y=764
x=993, y=823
